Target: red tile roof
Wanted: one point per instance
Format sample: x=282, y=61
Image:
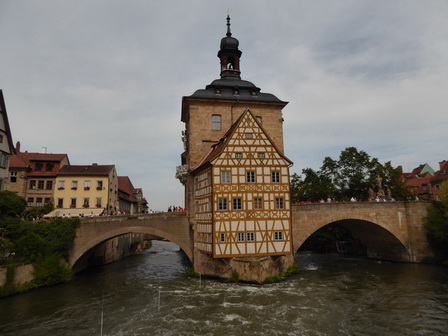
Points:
x=93, y=170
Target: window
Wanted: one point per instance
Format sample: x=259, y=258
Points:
x=40, y=184
x=39, y=201
x=61, y=185
x=13, y=177
x=209, y=178
x=86, y=185
x=261, y=155
x=216, y=122
x=237, y=204
x=278, y=235
x=49, y=167
x=98, y=202
x=33, y=184
x=30, y=202
x=196, y=183
x=99, y=185
x=250, y=236
x=258, y=203
x=259, y=119
x=86, y=202
x=60, y=203
x=47, y=200
x=249, y=136
x=3, y=160
x=1, y=138
x=225, y=177
x=222, y=237
x=38, y=167
x=240, y=236
x=275, y=177
x=74, y=185
x=279, y=203
x=250, y=177
x=239, y=155
x=73, y=203
x=222, y=204
x=49, y=185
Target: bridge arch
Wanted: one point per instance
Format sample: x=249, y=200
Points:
x=93, y=232
x=379, y=241
x=390, y=230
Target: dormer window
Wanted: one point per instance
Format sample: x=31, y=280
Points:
x=38, y=167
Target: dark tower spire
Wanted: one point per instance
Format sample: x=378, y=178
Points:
x=229, y=54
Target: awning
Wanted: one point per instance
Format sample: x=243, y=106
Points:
x=75, y=212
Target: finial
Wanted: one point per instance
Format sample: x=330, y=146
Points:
x=228, y=24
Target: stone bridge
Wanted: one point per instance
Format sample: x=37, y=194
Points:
x=391, y=231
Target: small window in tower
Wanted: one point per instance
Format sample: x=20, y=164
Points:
x=249, y=136
x=239, y=155
x=216, y=122
x=259, y=119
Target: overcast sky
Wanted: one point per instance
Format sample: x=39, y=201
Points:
x=103, y=80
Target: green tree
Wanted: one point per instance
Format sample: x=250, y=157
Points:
x=351, y=174
x=11, y=204
x=311, y=186
x=436, y=225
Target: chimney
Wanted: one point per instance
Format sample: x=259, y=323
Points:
x=94, y=164
x=43, y=150
x=17, y=146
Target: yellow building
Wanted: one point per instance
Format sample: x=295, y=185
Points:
x=86, y=191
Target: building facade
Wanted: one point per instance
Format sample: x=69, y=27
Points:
x=232, y=202
x=33, y=175
x=6, y=146
x=89, y=190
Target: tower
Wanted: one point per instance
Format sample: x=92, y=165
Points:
x=236, y=175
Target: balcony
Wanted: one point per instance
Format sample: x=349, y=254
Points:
x=182, y=173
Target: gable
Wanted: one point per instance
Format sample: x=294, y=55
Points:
x=248, y=144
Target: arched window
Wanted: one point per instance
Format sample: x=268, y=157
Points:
x=216, y=122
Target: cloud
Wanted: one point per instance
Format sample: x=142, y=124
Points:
x=103, y=81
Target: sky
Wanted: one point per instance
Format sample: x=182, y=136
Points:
x=103, y=80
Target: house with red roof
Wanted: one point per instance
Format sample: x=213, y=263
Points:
x=33, y=175
x=425, y=182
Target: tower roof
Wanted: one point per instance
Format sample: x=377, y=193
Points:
x=230, y=86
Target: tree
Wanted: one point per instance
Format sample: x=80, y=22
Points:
x=351, y=175
x=11, y=204
x=354, y=174
x=436, y=225
x=310, y=187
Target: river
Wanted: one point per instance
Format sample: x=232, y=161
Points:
x=150, y=294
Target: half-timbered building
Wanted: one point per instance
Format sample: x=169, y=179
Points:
x=242, y=198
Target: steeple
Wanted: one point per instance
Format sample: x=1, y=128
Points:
x=229, y=54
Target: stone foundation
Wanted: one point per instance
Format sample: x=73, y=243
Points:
x=250, y=269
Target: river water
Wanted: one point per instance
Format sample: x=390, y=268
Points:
x=150, y=295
